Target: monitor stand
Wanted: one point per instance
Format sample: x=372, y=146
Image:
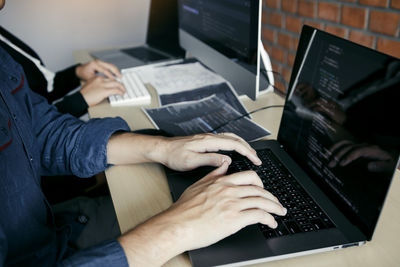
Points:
x=266, y=83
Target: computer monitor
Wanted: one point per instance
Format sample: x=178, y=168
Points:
x=162, y=30
x=226, y=36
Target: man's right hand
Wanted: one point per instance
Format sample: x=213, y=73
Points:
x=211, y=209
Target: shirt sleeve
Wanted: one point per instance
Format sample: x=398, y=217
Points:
x=73, y=104
x=68, y=145
x=106, y=254
x=64, y=82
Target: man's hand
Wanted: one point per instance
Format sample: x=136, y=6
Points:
x=89, y=70
x=208, y=211
x=178, y=153
x=345, y=152
x=186, y=153
x=99, y=88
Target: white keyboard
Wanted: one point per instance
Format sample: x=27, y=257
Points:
x=136, y=92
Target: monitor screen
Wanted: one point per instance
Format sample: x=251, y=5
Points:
x=224, y=35
x=162, y=30
x=225, y=25
x=340, y=122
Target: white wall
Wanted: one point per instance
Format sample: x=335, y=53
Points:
x=56, y=28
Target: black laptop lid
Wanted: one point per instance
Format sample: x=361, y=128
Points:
x=162, y=31
x=340, y=122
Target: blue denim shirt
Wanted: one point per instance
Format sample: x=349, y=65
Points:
x=37, y=140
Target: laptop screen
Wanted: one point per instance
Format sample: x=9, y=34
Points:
x=340, y=122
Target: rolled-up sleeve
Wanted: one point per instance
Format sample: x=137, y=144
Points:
x=105, y=254
x=69, y=145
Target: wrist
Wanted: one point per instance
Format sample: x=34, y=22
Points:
x=154, y=242
x=157, y=150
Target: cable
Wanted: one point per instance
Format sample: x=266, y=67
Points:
x=281, y=78
x=244, y=115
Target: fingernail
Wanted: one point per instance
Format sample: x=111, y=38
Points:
x=284, y=211
x=275, y=225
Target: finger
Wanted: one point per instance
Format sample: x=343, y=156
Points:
x=113, y=84
x=218, y=172
x=211, y=143
x=111, y=68
x=114, y=91
x=245, y=178
x=255, y=191
x=237, y=138
x=337, y=157
x=263, y=204
x=253, y=216
x=365, y=152
x=106, y=72
x=208, y=159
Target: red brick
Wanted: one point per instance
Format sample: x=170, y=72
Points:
x=278, y=54
x=353, y=16
x=290, y=58
x=264, y=16
x=307, y=8
x=272, y=3
x=286, y=41
x=389, y=47
x=314, y=24
x=279, y=85
x=396, y=4
x=286, y=73
x=384, y=22
x=328, y=11
x=361, y=38
x=289, y=6
x=378, y=3
x=268, y=34
x=293, y=24
x=349, y=1
x=276, y=67
x=338, y=31
x=274, y=19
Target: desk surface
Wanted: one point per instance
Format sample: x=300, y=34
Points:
x=140, y=191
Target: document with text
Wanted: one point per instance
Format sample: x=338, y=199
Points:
x=208, y=115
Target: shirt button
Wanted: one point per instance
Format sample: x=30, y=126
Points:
x=82, y=219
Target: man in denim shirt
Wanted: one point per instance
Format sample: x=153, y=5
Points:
x=37, y=140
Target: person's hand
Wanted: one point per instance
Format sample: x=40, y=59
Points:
x=208, y=211
x=186, y=153
x=89, y=70
x=345, y=152
x=99, y=88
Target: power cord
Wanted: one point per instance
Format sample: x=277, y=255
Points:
x=244, y=115
x=281, y=78
x=259, y=109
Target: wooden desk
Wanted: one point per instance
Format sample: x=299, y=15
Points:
x=140, y=191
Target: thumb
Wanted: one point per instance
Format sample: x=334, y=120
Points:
x=220, y=171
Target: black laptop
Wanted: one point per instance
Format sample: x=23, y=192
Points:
x=332, y=165
x=162, y=41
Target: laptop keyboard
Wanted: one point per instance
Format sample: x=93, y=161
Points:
x=144, y=54
x=303, y=215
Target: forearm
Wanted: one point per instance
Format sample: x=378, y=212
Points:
x=154, y=242
x=130, y=148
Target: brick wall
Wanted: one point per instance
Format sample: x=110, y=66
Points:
x=372, y=23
